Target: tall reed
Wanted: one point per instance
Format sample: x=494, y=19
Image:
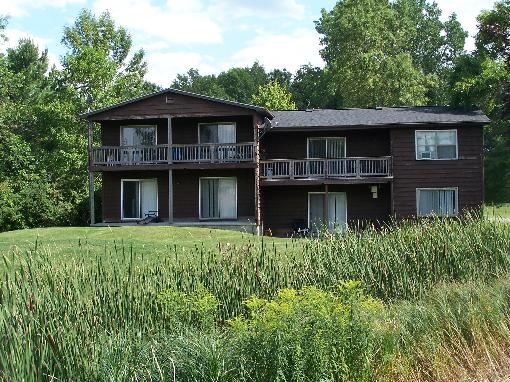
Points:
x=58, y=314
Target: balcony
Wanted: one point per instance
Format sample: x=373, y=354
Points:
x=160, y=154
x=213, y=153
x=341, y=168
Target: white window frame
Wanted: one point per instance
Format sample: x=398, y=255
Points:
x=200, y=197
x=135, y=127
x=324, y=138
x=324, y=193
x=139, y=196
x=218, y=123
x=454, y=189
x=436, y=131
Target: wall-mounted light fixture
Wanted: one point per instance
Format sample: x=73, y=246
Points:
x=373, y=190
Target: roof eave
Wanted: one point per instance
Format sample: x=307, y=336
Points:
x=378, y=125
x=262, y=110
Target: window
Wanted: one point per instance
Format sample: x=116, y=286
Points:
x=139, y=197
x=138, y=135
x=436, y=144
x=436, y=201
x=218, y=198
x=326, y=147
x=217, y=132
x=336, y=210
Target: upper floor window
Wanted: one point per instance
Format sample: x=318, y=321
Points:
x=138, y=135
x=436, y=201
x=217, y=132
x=326, y=147
x=436, y=144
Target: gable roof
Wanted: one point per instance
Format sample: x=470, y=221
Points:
x=258, y=109
x=379, y=116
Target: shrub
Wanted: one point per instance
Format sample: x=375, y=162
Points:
x=308, y=334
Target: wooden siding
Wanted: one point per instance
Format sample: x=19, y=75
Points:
x=282, y=205
x=110, y=130
x=466, y=172
x=180, y=106
x=186, y=192
x=293, y=145
x=184, y=130
x=112, y=187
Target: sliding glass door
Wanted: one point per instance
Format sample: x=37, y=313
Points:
x=217, y=132
x=336, y=208
x=139, y=198
x=218, y=198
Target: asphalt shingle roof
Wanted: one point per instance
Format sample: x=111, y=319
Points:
x=375, y=117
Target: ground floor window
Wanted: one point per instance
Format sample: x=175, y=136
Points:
x=327, y=210
x=436, y=201
x=139, y=197
x=218, y=198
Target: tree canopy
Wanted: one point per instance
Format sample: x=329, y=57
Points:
x=99, y=64
x=388, y=53
x=273, y=96
x=43, y=144
x=482, y=79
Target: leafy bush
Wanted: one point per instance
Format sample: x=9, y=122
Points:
x=308, y=334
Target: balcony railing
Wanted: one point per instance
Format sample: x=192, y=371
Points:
x=326, y=168
x=129, y=155
x=159, y=154
x=214, y=152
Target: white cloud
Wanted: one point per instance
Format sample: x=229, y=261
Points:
x=16, y=8
x=467, y=11
x=261, y=9
x=14, y=35
x=289, y=51
x=164, y=67
x=176, y=22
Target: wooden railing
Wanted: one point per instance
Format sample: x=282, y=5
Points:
x=325, y=168
x=214, y=152
x=194, y=153
x=129, y=155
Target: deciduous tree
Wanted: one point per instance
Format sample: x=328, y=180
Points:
x=99, y=64
x=388, y=53
x=273, y=96
x=193, y=82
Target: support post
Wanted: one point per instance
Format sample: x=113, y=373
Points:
x=258, y=216
x=170, y=171
x=169, y=139
x=170, y=197
x=91, y=198
x=326, y=205
x=91, y=174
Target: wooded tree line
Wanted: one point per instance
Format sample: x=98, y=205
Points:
x=377, y=53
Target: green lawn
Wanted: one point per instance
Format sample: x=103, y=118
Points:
x=144, y=240
x=501, y=210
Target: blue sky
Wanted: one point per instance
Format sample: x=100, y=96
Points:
x=211, y=35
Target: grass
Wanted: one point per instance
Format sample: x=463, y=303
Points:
x=157, y=241
x=87, y=303
x=501, y=210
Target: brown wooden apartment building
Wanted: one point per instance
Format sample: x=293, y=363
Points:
x=195, y=160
